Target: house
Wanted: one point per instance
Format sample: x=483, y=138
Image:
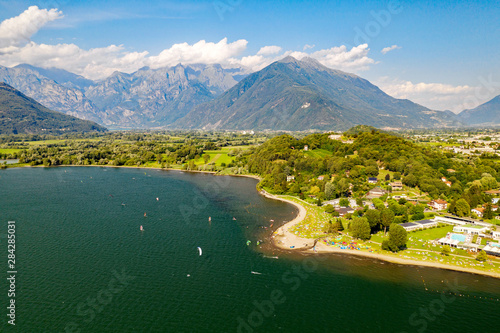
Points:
x=492, y=192
x=306, y=148
x=495, y=200
x=321, y=177
x=495, y=235
x=494, y=208
x=478, y=211
x=396, y=186
x=376, y=192
x=448, y=183
x=372, y=180
x=344, y=210
x=335, y=136
x=438, y=204
x=471, y=229
x=290, y=178
x=450, y=170
x=443, y=179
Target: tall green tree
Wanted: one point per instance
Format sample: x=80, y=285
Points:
x=488, y=212
x=340, y=226
x=329, y=190
x=397, y=237
x=344, y=202
x=462, y=208
x=373, y=217
x=482, y=256
x=386, y=218
x=360, y=228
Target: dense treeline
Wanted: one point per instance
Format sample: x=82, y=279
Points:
x=341, y=169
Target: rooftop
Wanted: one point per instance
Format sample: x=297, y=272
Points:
x=425, y=222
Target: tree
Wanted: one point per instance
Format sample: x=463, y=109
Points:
x=314, y=190
x=446, y=250
x=343, y=186
x=378, y=203
x=488, y=212
x=387, y=177
x=360, y=228
x=340, y=226
x=462, y=208
x=372, y=170
x=329, y=190
x=206, y=158
x=397, y=237
x=329, y=209
x=482, y=256
x=344, y=202
x=373, y=217
x=386, y=218
x=332, y=228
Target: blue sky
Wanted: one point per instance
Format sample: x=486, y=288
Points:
x=445, y=54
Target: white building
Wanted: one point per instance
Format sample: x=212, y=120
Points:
x=438, y=204
x=471, y=229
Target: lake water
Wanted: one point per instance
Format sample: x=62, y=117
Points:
x=84, y=265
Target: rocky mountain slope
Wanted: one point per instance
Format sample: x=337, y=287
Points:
x=21, y=114
x=300, y=95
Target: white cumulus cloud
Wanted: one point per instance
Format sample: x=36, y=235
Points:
x=98, y=63
x=390, y=48
x=356, y=59
x=268, y=50
x=307, y=46
x=200, y=52
x=436, y=96
x=19, y=29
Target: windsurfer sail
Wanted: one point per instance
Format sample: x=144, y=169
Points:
x=199, y=251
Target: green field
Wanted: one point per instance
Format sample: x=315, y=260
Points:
x=431, y=234
x=217, y=157
x=9, y=150
x=318, y=153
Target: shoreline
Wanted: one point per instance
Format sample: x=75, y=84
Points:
x=283, y=239
x=214, y=173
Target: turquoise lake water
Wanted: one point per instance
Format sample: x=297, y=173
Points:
x=84, y=265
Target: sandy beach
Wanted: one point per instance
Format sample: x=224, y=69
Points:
x=284, y=239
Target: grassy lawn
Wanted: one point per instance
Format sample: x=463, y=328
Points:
x=318, y=153
x=45, y=142
x=432, y=233
x=220, y=156
x=383, y=173
x=315, y=222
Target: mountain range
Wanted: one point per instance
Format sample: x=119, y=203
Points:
x=486, y=114
x=296, y=95
x=289, y=94
x=21, y=114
